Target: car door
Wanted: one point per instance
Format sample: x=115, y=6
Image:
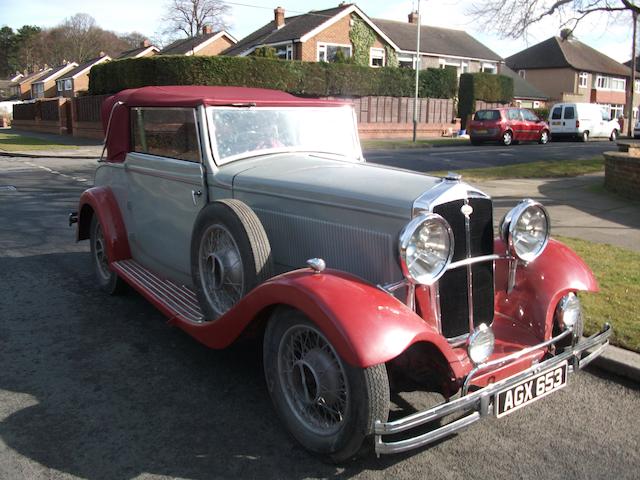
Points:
x=555, y=120
x=166, y=188
x=569, y=118
x=530, y=124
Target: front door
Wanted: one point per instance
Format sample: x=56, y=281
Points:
x=166, y=190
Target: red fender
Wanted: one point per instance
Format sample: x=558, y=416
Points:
x=540, y=285
x=366, y=325
x=102, y=202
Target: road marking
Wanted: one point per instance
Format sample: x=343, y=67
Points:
x=53, y=172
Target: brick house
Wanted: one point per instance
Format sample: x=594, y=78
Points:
x=439, y=47
x=524, y=94
x=144, y=50
x=569, y=70
x=20, y=89
x=314, y=36
x=209, y=43
x=46, y=86
x=77, y=80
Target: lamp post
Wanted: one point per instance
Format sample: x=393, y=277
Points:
x=417, y=67
x=632, y=88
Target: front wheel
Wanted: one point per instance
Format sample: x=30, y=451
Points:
x=544, y=137
x=329, y=406
x=585, y=136
x=507, y=138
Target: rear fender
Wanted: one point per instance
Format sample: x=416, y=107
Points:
x=100, y=201
x=540, y=285
x=366, y=325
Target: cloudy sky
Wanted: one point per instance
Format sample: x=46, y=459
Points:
x=611, y=38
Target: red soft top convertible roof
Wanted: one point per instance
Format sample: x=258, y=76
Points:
x=118, y=142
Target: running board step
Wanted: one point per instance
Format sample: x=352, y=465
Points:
x=173, y=300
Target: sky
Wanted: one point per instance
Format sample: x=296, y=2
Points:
x=122, y=16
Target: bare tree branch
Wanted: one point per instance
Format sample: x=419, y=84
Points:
x=190, y=16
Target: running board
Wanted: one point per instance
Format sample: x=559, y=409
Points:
x=173, y=300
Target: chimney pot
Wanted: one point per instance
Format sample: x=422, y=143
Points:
x=413, y=17
x=145, y=43
x=206, y=30
x=278, y=14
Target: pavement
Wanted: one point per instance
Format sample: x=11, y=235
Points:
x=579, y=207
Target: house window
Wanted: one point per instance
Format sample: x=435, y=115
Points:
x=68, y=84
x=522, y=73
x=284, y=52
x=60, y=86
x=406, y=62
x=327, y=52
x=610, y=83
x=166, y=132
x=465, y=67
x=584, y=80
x=376, y=57
x=489, y=68
x=38, y=90
x=616, y=111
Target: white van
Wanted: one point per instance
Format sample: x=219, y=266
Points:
x=583, y=121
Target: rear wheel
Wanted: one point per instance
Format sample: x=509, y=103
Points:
x=544, y=137
x=107, y=280
x=329, y=406
x=507, y=138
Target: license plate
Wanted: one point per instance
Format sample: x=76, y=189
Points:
x=528, y=391
x=555, y=123
x=480, y=131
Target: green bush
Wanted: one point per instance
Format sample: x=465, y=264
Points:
x=300, y=78
x=542, y=113
x=482, y=86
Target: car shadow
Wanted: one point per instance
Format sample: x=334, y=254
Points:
x=100, y=387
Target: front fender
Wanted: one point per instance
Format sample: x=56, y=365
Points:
x=102, y=202
x=540, y=285
x=366, y=325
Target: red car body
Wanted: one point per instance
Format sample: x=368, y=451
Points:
x=507, y=125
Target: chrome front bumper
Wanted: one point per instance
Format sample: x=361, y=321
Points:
x=480, y=403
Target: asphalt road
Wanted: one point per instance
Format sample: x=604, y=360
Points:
x=100, y=387
x=488, y=155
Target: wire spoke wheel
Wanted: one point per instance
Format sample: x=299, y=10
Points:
x=100, y=254
x=315, y=383
x=221, y=268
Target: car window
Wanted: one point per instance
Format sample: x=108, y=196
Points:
x=487, y=115
x=166, y=132
x=514, y=114
x=605, y=115
x=556, y=114
x=569, y=113
x=529, y=116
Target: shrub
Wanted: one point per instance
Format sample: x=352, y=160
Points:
x=482, y=86
x=300, y=78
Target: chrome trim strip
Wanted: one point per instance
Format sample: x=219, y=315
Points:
x=106, y=135
x=472, y=260
x=480, y=402
x=467, y=233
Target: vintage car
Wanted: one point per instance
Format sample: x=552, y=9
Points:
x=240, y=211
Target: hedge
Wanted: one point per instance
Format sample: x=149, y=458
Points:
x=482, y=86
x=300, y=78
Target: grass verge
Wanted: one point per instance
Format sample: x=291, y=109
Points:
x=397, y=144
x=12, y=142
x=618, y=273
x=542, y=169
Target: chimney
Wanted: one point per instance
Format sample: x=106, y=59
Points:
x=102, y=54
x=206, y=30
x=279, y=17
x=145, y=43
x=413, y=17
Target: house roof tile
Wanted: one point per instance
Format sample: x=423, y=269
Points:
x=558, y=53
x=56, y=72
x=185, y=45
x=84, y=66
x=442, y=41
x=134, y=52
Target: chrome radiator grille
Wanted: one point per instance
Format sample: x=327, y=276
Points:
x=466, y=293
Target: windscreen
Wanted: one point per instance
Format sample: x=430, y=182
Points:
x=239, y=132
x=487, y=115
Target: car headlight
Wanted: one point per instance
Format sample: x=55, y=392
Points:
x=525, y=229
x=569, y=314
x=480, y=344
x=426, y=248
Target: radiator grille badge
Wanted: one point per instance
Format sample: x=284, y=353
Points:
x=466, y=210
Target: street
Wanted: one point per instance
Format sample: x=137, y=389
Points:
x=100, y=387
x=488, y=155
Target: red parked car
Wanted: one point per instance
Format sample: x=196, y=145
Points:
x=507, y=125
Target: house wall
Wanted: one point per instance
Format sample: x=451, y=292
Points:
x=336, y=33
x=215, y=47
x=557, y=81
x=604, y=96
x=80, y=84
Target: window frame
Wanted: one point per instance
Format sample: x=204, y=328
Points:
x=382, y=56
x=487, y=65
x=322, y=46
x=134, y=118
x=583, y=80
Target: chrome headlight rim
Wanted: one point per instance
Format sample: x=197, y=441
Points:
x=482, y=333
x=510, y=221
x=407, y=234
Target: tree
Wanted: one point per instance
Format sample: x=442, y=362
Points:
x=7, y=51
x=514, y=18
x=190, y=16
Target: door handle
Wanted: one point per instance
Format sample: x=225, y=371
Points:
x=194, y=196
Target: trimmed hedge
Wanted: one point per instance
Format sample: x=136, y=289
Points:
x=300, y=78
x=482, y=86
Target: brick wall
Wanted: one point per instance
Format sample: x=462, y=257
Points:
x=622, y=174
x=215, y=47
